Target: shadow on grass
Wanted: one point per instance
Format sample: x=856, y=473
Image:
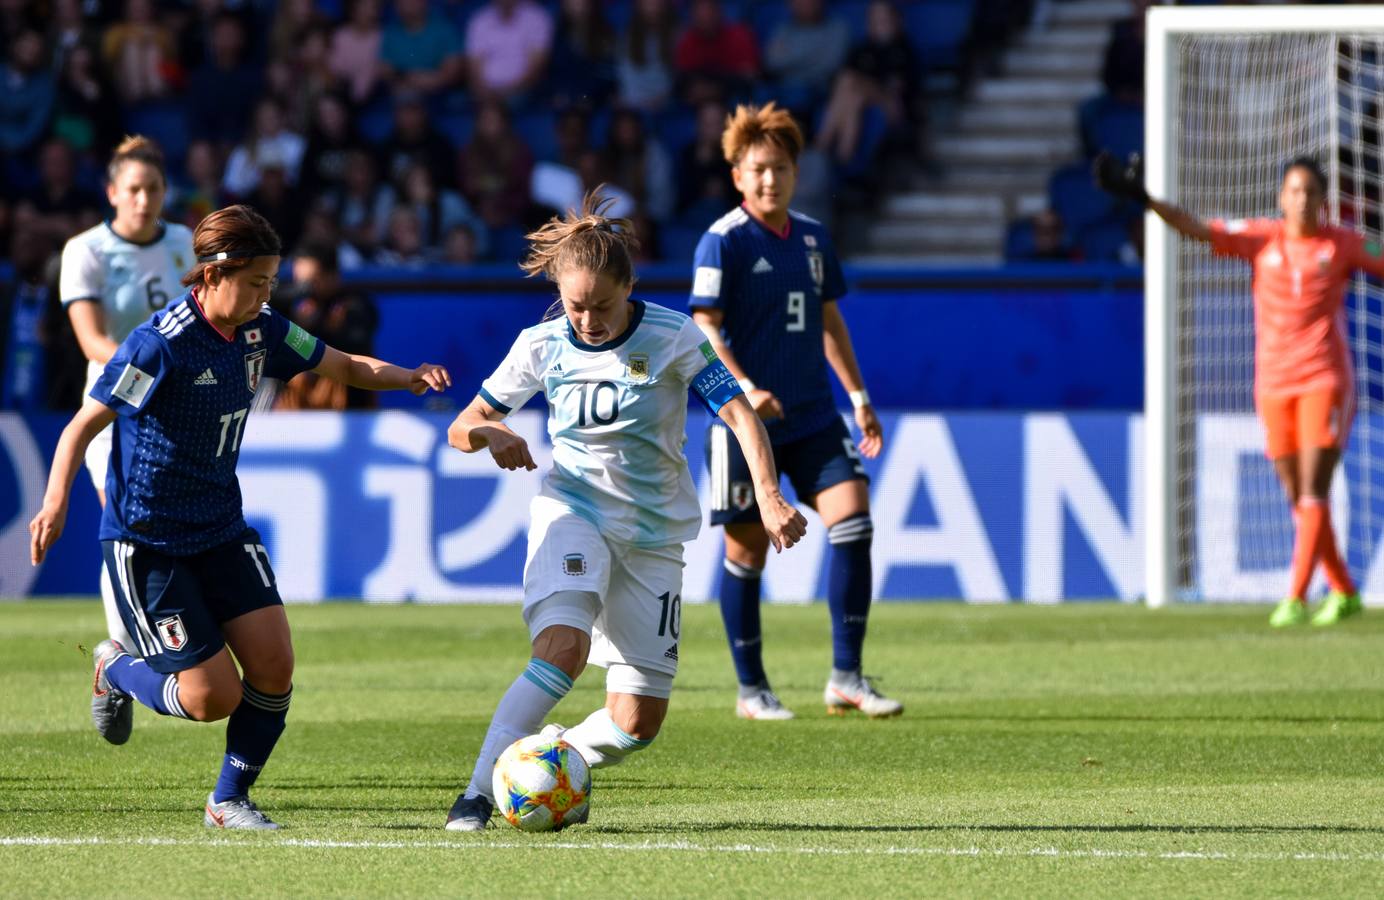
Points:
x=713, y=827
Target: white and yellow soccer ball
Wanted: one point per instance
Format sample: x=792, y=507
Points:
x=542, y=784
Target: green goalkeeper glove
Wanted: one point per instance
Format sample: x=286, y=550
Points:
x=1125, y=181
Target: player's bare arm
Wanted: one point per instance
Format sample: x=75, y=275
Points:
x=372, y=374
x=479, y=426
x=784, y=524
x=1125, y=180
x=47, y=526
x=840, y=353
x=765, y=404
x=89, y=325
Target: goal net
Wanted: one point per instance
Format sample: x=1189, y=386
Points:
x=1232, y=96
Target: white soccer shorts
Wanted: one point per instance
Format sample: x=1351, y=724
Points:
x=98, y=456
x=640, y=588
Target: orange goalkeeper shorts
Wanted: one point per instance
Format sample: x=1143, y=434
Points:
x=1312, y=419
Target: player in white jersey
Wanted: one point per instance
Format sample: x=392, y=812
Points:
x=603, y=578
x=114, y=277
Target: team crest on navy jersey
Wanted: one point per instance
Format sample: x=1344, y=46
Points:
x=741, y=495
x=816, y=267
x=639, y=366
x=171, y=632
x=254, y=368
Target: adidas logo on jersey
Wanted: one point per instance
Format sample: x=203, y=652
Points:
x=205, y=378
x=671, y=653
x=762, y=266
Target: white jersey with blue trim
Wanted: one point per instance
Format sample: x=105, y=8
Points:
x=617, y=415
x=131, y=281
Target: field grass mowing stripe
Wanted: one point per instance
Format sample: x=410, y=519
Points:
x=689, y=847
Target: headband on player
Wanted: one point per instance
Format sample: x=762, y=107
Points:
x=233, y=254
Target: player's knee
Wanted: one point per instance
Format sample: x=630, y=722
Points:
x=856, y=529
x=271, y=673
x=209, y=702
x=560, y=629
x=747, y=545
x=641, y=715
x=563, y=646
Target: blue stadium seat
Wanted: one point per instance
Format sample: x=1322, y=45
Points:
x=375, y=123
x=873, y=130
x=854, y=13
x=618, y=13
x=1119, y=128
x=508, y=243
x=939, y=30
x=166, y=123
x=1076, y=198
x=1101, y=240
x=768, y=16
x=1018, y=241
x=538, y=129
x=674, y=128
x=455, y=127
x=678, y=241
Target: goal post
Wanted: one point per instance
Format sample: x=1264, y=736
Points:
x=1231, y=95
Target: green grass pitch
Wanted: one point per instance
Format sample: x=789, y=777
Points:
x=1084, y=750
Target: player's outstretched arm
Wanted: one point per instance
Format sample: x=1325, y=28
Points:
x=1126, y=181
x=836, y=341
x=47, y=526
x=765, y=404
x=357, y=371
x=785, y=525
x=478, y=426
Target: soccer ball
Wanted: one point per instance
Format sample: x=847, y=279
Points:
x=542, y=784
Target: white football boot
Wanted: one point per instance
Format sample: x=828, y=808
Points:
x=854, y=692
x=761, y=703
x=238, y=812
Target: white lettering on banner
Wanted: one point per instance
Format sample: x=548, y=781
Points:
x=31, y=477
x=1224, y=443
x=921, y=455
x=405, y=434
x=506, y=516
x=1058, y=476
x=295, y=503
x=299, y=431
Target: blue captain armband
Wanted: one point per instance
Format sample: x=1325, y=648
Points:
x=715, y=386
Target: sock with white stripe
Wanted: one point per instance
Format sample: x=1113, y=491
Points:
x=251, y=733
x=519, y=714
x=601, y=742
x=850, y=584
x=740, y=587
x=155, y=690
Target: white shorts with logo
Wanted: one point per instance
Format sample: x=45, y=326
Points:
x=639, y=588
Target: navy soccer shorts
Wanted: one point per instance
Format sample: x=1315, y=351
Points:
x=173, y=606
x=812, y=464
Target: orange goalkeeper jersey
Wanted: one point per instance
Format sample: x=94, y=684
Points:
x=1299, y=301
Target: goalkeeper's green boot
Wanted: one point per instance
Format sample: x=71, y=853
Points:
x=1289, y=611
x=1337, y=606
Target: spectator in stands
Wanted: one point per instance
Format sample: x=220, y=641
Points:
x=68, y=31
x=294, y=20
x=495, y=168
x=27, y=319
x=61, y=205
x=86, y=113
x=420, y=51
x=320, y=227
x=460, y=246
x=345, y=318
x=439, y=210
x=355, y=52
x=1123, y=69
x=638, y=163
x=27, y=98
x=644, y=63
x=1049, y=240
x=583, y=64
x=331, y=138
x=139, y=53
x=715, y=58
x=361, y=205
x=508, y=43
x=403, y=243
x=270, y=142
x=298, y=80
x=199, y=192
x=804, y=53
x=416, y=142
x=882, y=71
x=275, y=198
x=222, y=92
x=704, y=186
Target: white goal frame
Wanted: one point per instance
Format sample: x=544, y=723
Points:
x=1161, y=273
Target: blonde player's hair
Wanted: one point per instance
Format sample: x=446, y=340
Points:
x=588, y=240
x=136, y=148
x=750, y=126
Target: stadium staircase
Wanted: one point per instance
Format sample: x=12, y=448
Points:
x=993, y=159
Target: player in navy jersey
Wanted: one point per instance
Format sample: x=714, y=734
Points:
x=766, y=287
x=192, y=579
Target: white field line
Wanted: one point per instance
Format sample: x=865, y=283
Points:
x=689, y=847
